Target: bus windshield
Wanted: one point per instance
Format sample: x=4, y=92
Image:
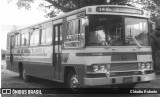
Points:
x=107, y=31
x=136, y=31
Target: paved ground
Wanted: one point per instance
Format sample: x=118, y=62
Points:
x=11, y=80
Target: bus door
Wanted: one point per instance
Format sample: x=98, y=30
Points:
x=11, y=51
x=57, y=50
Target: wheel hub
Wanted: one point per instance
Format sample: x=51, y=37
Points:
x=74, y=82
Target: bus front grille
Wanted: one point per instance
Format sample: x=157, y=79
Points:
x=123, y=66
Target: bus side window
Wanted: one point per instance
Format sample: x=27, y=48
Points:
x=8, y=41
x=25, y=37
x=34, y=37
x=74, y=35
x=12, y=41
x=58, y=30
x=56, y=33
x=46, y=34
x=17, y=40
x=61, y=27
x=43, y=36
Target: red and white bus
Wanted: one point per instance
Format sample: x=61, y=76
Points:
x=92, y=46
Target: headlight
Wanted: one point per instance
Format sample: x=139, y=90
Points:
x=95, y=68
x=101, y=68
x=144, y=66
x=148, y=66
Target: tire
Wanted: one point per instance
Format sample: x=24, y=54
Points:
x=20, y=70
x=73, y=82
x=20, y=74
x=25, y=77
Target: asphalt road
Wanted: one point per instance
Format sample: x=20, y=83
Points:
x=12, y=80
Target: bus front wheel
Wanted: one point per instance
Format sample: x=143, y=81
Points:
x=73, y=81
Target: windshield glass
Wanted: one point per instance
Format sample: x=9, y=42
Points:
x=105, y=30
x=136, y=32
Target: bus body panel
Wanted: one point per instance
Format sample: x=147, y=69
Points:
x=8, y=65
x=39, y=58
x=93, y=55
x=51, y=61
x=41, y=70
x=118, y=80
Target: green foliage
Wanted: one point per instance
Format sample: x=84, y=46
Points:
x=24, y=3
x=57, y=6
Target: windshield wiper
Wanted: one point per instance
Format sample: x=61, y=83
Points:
x=137, y=43
x=135, y=40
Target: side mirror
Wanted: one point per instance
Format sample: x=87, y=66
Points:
x=85, y=21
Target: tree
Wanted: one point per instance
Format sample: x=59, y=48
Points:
x=55, y=6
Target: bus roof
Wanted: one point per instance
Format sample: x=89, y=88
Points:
x=117, y=10
x=99, y=10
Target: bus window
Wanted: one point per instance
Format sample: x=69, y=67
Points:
x=25, y=37
x=56, y=33
x=34, y=37
x=46, y=34
x=17, y=40
x=137, y=29
x=97, y=36
x=8, y=41
x=58, y=29
x=74, y=35
x=72, y=30
x=61, y=32
x=43, y=36
x=105, y=30
x=13, y=41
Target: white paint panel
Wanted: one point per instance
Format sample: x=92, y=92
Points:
x=92, y=10
x=99, y=59
x=71, y=17
x=40, y=54
x=144, y=58
x=57, y=21
x=73, y=59
x=118, y=49
x=88, y=59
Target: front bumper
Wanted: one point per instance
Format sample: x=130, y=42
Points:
x=117, y=80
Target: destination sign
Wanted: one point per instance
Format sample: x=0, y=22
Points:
x=119, y=10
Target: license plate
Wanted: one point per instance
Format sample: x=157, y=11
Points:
x=127, y=80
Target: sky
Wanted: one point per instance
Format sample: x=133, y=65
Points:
x=11, y=15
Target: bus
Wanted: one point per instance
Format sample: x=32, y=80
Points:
x=97, y=45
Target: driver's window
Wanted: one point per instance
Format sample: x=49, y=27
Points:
x=98, y=36
x=114, y=35
x=110, y=35
x=105, y=31
x=74, y=37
